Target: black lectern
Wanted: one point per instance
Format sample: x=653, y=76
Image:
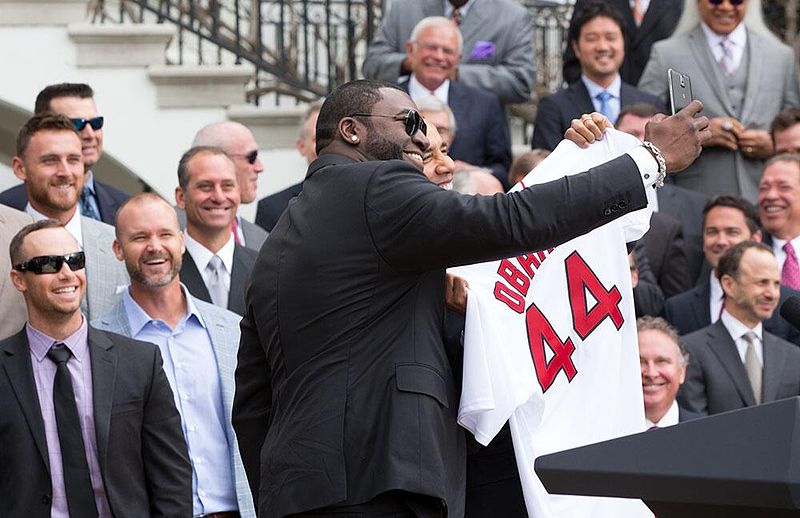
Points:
x=740, y=463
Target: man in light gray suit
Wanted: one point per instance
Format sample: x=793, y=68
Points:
x=497, y=51
x=734, y=363
x=49, y=162
x=198, y=342
x=11, y=301
x=743, y=75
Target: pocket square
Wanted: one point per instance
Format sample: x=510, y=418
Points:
x=483, y=50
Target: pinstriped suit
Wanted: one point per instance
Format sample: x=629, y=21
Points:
x=11, y=301
x=105, y=275
x=223, y=330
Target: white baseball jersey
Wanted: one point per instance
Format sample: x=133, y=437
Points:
x=550, y=344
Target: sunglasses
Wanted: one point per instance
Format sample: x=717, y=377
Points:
x=52, y=263
x=96, y=123
x=413, y=121
x=251, y=157
x=733, y=2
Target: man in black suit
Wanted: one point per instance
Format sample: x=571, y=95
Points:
x=736, y=363
x=87, y=419
x=98, y=200
x=779, y=209
x=659, y=19
x=215, y=268
x=596, y=36
x=345, y=396
x=663, y=361
x=727, y=220
x=480, y=135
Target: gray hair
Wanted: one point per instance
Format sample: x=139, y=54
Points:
x=753, y=19
x=433, y=104
x=649, y=323
x=436, y=21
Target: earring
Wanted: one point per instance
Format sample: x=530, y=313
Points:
x=354, y=138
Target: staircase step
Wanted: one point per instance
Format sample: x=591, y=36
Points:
x=121, y=45
x=42, y=12
x=200, y=86
x=274, y=127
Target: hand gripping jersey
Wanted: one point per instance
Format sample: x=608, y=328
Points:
x=550, y=344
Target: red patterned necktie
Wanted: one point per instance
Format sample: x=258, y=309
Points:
x=638, y=12
x=235, y=230
x=456, y=16
x=790, y=275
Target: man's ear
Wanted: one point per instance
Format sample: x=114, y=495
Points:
x=117, y=248
x=179, y=200
x=19, y=168
x=349, y=130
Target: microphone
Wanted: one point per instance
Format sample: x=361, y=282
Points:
x=790, y=310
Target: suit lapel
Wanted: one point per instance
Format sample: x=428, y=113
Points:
x=238, y=281
x=472, y=24
x=104, y=202
x=579, y=97
x=104, y=372
x=754, y=70
x=722, y=345
x=433, y=8
x=705, y=60
x=700, y=309
x=457, y=102
x=191, y=278
x=17, y=364
x=651, y=18
x=224, y=351
x=774, y=358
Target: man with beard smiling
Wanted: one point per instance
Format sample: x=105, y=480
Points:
x=198, y=342
x=345, y=395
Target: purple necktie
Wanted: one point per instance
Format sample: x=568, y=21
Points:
x=726, y=59
x=790, y=276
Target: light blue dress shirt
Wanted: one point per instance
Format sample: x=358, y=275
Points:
x=614, y=102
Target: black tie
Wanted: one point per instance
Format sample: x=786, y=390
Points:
x=77, y=482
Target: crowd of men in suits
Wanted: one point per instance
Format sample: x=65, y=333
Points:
x=122, y=314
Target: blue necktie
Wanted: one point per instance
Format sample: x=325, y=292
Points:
x=87, y=209
x=605, y=107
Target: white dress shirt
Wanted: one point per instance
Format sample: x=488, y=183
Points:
x=670, y=418
x=73, y=226
x=738, y=38
x=777, y=248
x=202, y=255
x=416, y=91
x=716, y=297
x=737, y=330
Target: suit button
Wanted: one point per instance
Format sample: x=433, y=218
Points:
x=46, y=499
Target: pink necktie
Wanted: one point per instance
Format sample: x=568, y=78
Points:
x=790, y=276
x=638, y=12
x=726, y=60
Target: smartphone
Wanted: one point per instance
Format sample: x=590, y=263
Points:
x=680, y=90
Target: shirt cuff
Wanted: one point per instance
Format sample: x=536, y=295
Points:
x=648, y=167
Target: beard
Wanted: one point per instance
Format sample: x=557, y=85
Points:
x=379, y=148
x=137, y=275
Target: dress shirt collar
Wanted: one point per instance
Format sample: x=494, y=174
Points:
x=738, y=329
x=77, y=342
x=595, y=88
x=89, y=183
x=203, y=255
x=737, y=36
x=416, y=91
x=73, y=226
x=138, y=317
x=448, y=8
x=670, y=418
x=644, y=3
x=715, y=296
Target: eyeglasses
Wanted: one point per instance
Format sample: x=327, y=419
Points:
x=52, y=263
x=412, y=119
x=96, y=123
x=733, y=2
x=251, y=157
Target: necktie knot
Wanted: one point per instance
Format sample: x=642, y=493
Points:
x=456, y=16
x=605, y=106
x=750, y=337
x=789, y=249
x=87, y=208
x=215, y=264
x=59, y=353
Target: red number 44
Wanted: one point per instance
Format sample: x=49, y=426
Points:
x=580, y=281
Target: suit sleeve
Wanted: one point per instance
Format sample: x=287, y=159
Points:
x=416, y=226
x=387, y=50
x=252, y=401
x=654, y=77
x=167, y=469
x=547, y=131
x=692, y=394
x=512, y=79
x=675, y=270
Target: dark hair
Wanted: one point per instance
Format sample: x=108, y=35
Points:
x=353, y=97
x=785, y=119
x=51, y=92
x=640, y=109
x=592, y=10
x=15, y=247
x=43, y=122
x=183, y=164
x=730, y=261
x=747, y=209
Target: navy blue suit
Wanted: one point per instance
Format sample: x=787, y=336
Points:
x=556, y=111
x=108, y=198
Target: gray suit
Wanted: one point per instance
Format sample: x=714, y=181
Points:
x=105, y=275
x=254, y=235
x=716, y=380
x=507, y=71
x=223, y=331
x=11, y=301
x=771, y=86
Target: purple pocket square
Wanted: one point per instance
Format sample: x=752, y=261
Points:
x=483, y=50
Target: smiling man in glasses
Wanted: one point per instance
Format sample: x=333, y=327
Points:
x=238, y=143
x=345, y=395
x=743, y=75
x=98, y=200
x=90, y=414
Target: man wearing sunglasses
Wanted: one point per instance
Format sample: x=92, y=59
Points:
x=743, y=75
x=238, y=143
x=87, y=418
x=345, y=396
x=98, y=200
x=50, y=164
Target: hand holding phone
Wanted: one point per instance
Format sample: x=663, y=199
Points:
x=680, y=90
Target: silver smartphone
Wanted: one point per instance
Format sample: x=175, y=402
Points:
x=680, y=90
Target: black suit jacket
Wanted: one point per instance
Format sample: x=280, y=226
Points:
x=659, y=22
x=716, y=380
x=482, y=137
x=271, y=207
x=663, y=244
x=140, y=445
x=687, y=415
x=109, y=199
x=687, y=207
x=690, y=311
x=556, y=111
x=243, y=259
x=344, y=389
